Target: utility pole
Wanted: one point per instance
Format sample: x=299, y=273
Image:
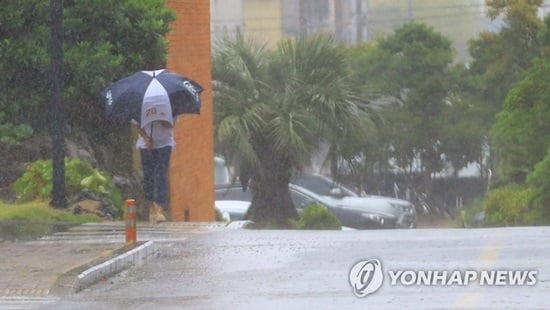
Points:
x=410, y=10
x=57, y=117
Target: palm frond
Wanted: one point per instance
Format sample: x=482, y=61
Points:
x=289, y=98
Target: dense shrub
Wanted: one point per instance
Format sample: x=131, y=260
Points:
x=36, y=181
x=316, y=216
x=510, y=206
x=539, y=180
x=11, y=133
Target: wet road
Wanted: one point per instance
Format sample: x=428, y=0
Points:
x=248, y=269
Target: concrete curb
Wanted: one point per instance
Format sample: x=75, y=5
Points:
x=73, y=283
x=134, y=257
x=240, y=225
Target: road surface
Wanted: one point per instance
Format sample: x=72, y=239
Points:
x=251, y=269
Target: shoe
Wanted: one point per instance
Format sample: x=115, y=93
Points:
x=155, y=214
x=160, y=216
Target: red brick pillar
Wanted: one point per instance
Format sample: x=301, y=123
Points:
x=192, y=163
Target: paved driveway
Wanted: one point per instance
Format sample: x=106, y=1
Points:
x=248, y=269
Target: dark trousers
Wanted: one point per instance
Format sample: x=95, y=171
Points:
x=155, y=164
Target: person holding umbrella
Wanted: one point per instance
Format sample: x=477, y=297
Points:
x=153, y=100
x=155, y=143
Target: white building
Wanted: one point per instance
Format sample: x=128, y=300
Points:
x=226, y=16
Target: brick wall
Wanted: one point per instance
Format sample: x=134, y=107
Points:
x=191, y=167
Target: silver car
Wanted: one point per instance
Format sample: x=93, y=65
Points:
x=368, y=212
x=356, y=211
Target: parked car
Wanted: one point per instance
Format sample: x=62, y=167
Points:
x=232, y=210
x=232, y=201
x=221, y=173
x=378, y=211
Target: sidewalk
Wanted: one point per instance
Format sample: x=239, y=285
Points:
x=66, y=262
x=30, y=269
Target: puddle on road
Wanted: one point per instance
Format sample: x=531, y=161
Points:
x=19, y=230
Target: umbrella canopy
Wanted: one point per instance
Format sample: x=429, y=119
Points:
x=147, y=96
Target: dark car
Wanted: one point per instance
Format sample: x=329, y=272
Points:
x=360, y=211
x=233, y=201
x=378, y=213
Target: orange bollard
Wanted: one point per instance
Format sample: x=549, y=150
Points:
x=131, y=218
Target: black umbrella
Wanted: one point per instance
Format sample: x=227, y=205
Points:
x=147, y=96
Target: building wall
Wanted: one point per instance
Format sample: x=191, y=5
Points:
x=192, y=163
x=351, y=21
x=459, y=21
x=263, y=20
x=226, y=18
x=345, y=19
x=356, y=21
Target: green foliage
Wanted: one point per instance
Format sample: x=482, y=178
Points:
x=510, y=206
x=39, y=211
x=539, y=180
x=414, y=57
x=544, y=36
x=98, y=53
x=290, y=96
x=274, y=106
x=521, y=133
x=36, y=182
x=510, y=69
x=13, y=134
x=104, y=40
x=463, y=132
x=35, y=219
x=316, y=216
x=24, y=61
x=409, y=72
x=499, y=59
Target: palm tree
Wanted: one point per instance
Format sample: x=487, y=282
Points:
x=274, y=107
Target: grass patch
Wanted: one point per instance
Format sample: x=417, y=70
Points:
x=32, y=220
x=40, y=211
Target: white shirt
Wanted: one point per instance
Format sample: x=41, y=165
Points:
x=161, y=135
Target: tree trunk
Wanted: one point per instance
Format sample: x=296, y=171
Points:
x=271, y=205
x=57, y=114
